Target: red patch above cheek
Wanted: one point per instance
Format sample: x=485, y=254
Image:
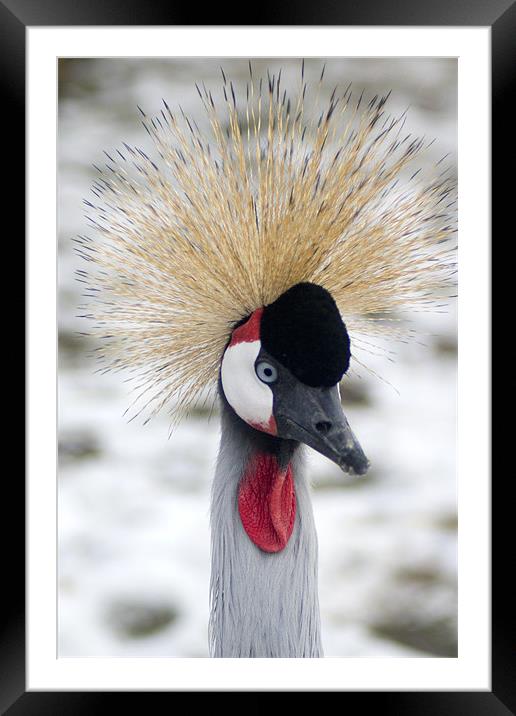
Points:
x=248, y=331
x=267, y=503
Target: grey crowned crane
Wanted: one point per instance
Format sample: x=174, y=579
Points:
x=250, y=260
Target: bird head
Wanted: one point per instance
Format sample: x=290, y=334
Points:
x=281, y=371
x=220, y=244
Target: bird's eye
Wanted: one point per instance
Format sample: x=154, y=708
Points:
x=266, y=372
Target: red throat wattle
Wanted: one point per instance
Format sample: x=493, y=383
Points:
x=267, y=502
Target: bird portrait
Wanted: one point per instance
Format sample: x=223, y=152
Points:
x=246, y=256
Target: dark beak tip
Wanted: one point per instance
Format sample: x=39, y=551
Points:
x=355, y=467
x=363, y=470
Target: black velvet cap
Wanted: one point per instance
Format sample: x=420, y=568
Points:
x=303, y=330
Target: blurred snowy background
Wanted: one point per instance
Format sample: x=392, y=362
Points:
x=133, y=526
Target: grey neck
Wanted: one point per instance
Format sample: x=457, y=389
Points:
x=262, y=604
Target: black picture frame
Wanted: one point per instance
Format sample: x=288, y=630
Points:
x=500, y=16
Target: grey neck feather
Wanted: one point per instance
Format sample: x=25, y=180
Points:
x=262, y=604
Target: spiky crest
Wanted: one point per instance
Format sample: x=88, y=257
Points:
x=267, y=195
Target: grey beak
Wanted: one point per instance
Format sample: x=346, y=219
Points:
x=314, y=416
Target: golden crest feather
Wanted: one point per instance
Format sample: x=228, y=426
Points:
x=270, y=192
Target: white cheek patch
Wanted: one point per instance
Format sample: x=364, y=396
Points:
x=250, y=398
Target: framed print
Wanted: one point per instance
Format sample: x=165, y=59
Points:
x=120, y=543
